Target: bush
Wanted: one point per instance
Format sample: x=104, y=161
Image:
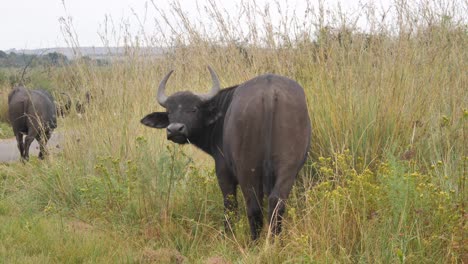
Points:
x=4, y=106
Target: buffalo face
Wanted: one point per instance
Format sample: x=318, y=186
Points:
x=186, y=113
x=183, y=118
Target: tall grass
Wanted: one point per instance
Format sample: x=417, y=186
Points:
x=385, y=181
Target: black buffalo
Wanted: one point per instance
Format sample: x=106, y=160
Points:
x=32, y=113
x=258, y=133
x=64, y=104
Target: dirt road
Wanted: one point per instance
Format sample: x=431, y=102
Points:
x=9, y=151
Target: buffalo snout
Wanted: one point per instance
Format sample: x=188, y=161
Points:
x=177, y=132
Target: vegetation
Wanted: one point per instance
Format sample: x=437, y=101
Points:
x=13, y=59
x=385, y=181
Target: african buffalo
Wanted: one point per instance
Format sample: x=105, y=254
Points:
x=64, y=103
x=81, y=106
x=31, y=113
x=258, y=134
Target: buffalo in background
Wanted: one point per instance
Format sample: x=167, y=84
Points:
x=65, y=103
x=32, y=114
x=258, y=134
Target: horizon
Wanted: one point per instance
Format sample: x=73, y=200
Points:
x=93, y=52
x=90, y=19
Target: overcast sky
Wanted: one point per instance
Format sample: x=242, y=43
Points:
x=32, y=24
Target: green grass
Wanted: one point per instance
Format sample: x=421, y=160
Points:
x=6, y=131
x=46, y=239
x=385, y=181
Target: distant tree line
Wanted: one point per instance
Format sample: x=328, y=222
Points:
x=20, y=60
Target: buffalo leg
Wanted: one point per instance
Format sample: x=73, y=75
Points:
x=250, y=180
x=27, y=143
x=43, y=139
x=252, y=189
x=230, y=206
x=276, y=208
x=19, y=141
x=253, y=200
x=278, y=196
x=228, y=186
x=254, y=213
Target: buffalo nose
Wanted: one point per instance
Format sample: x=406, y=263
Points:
x=176, y=129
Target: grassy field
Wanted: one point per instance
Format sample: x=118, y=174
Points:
x=385, y=181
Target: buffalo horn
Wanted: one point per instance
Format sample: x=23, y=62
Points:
x=162, y=87
x=216, y=86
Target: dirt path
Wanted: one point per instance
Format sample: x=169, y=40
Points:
x=9, y=151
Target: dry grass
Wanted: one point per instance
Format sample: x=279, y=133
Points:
x=385, y=181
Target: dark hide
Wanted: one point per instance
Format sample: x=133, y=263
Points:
x=64, y=104
x=81, y=106
x=32, y=113
x=258, y=133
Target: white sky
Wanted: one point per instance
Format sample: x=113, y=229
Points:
x=32, y=24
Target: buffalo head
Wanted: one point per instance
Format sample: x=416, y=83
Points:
x=186, y=115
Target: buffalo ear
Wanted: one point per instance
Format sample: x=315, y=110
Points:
x=213, y=118
x=156, y=120
x=211, y=113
